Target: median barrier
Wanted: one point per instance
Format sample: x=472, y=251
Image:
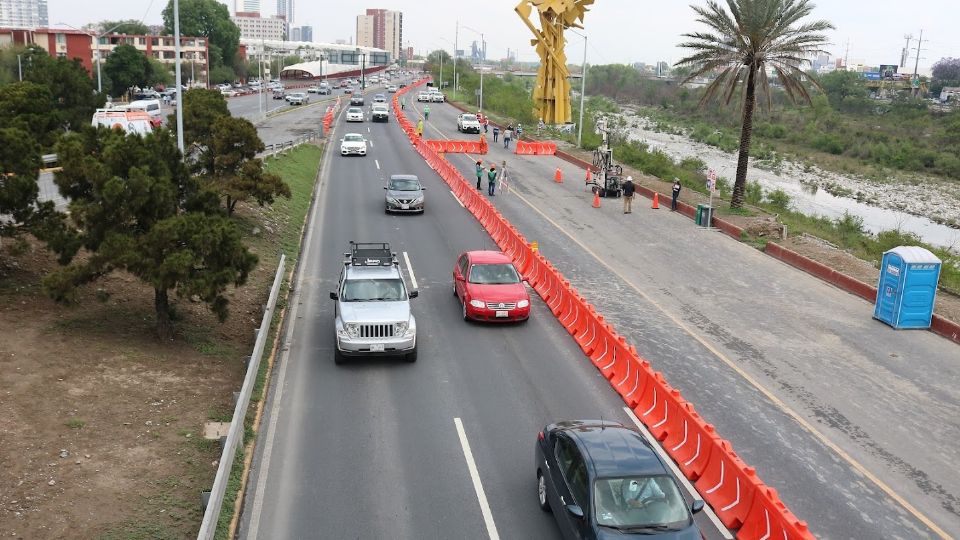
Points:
x=690, y=442
x=769, y=518
x=614, y=365
x=605, y=340
x=638, y=375
x=728, y=484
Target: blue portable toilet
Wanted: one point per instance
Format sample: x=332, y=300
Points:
x=907, y=287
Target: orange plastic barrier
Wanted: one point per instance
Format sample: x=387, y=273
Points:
x=458, y=147
x=534, y=148
x=690, y=444
x=769, y=518
x=728, y=484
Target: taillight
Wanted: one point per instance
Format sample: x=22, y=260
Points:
x=540, y=436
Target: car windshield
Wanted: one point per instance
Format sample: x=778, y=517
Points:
x=640, y=502
x=353, y=137
x=373, y=290
x=493, y=274
x=353, y=110
x=379, y=108
x=404, y=184
x=469, y=118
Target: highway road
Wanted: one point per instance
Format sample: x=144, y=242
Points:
x=371, y=449
x=853, y=423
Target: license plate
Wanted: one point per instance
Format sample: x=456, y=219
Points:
x=376, y=347
x=503, y=313
x=404, y=206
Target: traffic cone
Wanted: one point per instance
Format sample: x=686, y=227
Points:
x=558, y=176
x=656, y=201
x=596, y=199
x=589, y=176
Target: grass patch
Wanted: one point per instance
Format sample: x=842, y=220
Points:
x=141, y=531
x=75, y=423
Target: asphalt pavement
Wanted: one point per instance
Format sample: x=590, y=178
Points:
x=371, y=449
x=855, y=424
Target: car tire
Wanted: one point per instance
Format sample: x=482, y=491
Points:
x=542, y=499
x=338, y=357
x=411, y=357
x=466, y=316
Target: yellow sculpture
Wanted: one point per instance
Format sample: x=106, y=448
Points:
x=551, y=96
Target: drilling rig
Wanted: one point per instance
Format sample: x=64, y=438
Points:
x=607, y=179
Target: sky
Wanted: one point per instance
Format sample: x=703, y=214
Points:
x=618, y=31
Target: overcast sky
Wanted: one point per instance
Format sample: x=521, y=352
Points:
x=620, y=31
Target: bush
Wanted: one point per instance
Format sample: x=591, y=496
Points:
x=779, y=198
x=753, y=192
x=848, y=226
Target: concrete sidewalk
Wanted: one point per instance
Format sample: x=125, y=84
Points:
x=743, y=335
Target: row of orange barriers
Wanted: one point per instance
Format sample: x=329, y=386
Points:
x=739, y=498
x=534, y=148
x=459, y=147
x=328, y=117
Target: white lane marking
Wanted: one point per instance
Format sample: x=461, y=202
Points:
x=368, y=130
x=284, y=360
x=677, y=473
x=776, y=401
x=413, y=278
x=475, y=476
x=370, y=142
x=377, y=163
x=457, y=199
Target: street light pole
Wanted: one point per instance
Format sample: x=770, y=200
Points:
x=20, y=68
x=176, y=46
x=456, y=81
x=583, y=88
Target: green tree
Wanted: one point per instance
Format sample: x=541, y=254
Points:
x=30, y=107
x=126, y=26
x=135, y=208
x=222, y=74
x=845, y=90
x=947, y=69
x=237, y=172
x=201, y=108
x=210, y=19
x=741, y=45
x=127, y=67
x=69, y=83
x=19, y=166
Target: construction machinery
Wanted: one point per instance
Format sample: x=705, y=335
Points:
x=607, y=176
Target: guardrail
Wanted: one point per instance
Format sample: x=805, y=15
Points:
x=731, y=487
x=211, y=514
x=282, y=147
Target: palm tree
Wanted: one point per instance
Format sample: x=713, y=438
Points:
x=741, y=45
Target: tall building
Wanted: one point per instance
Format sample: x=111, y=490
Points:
x=254, y=27
x=23, y=13
x=285, y=10
x=382, y=29
x=246, y=6
x=294, y=33
x=306, y=33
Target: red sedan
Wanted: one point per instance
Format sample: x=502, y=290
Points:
x=489, y=287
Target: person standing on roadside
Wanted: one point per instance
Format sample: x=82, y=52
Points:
x=519, y=131
x=479, y=173
x=507, y=135
x=676, y=194
x=628, y=191
x=492, y=180
x=420, y=128
x=496, y=133
x=426, y=112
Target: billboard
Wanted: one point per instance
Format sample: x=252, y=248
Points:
x=871, y=75
x=887, y=71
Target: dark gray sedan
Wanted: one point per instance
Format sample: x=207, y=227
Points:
x=602, y=480
x=404, y=194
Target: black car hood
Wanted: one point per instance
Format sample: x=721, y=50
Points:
x=690, y=533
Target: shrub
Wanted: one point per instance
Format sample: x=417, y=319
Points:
x=779, y=198
x=753, y=192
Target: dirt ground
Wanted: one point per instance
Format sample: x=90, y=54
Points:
x=947, y=305
x=101, y=425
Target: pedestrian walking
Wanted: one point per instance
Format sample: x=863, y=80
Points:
x=496, y=133
x=676, y=194
x=403, y=103
x=507, y=135
x=628, y=191
x=519, y=131
x=426, y=112
x=492, y=180
x=540, y=127
x=504, y=184
x=486, y=125
x=479, y=173
x=420, y=128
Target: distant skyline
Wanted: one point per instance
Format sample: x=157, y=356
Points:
x=619, y=31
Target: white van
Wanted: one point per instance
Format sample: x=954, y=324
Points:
x=149, y=106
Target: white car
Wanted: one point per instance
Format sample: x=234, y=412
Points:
x=437, y=97
x=392, y=88
x=353, y=144
x=228, y=93
x=354, y=114
x=297, y=98
x=423, y=96
x=467, y=123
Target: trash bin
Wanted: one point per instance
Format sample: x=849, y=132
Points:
x=907, y=287
x=704, y=217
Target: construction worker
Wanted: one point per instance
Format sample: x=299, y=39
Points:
x=492, y=180
x=403, y=103
x=420, y=128
x=426, y=112
x=496, y=133
x=479, y=173
x=628, y=190
x=519, y=131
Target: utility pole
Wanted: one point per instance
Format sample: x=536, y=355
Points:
x=846, y=56
x=906, y=51
x=916, y=65
x=456, y=81
x=179, y=78
x=20, y=67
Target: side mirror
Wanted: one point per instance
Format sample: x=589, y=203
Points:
x=525, y=281
x=697, y=506
x=575, y=511
x=414, y=294
x=459, y=277
x=341, y=140
x=384, y=187
x=423, y=187
x=333, y=295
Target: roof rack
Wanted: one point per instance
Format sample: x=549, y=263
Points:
x=370, y=254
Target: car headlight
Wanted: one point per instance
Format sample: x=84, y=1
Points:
x=418, y=199
x=400, y=328
x=523, y=303
x=477, y=304
x=353, y=329
x=391, y=200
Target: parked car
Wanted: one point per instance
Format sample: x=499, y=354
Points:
x=404, y=194
x=490, y=288
x=228, y=93
x=603, y=480
x=298, y=98
x=437, y=97
x=468, y=123
x=354, y=114
x=353, y=144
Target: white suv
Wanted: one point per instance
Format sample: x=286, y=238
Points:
x=423, y=96
x=467, y=123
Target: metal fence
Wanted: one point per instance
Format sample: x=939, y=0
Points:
x=283, y=147
x=235, y=435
